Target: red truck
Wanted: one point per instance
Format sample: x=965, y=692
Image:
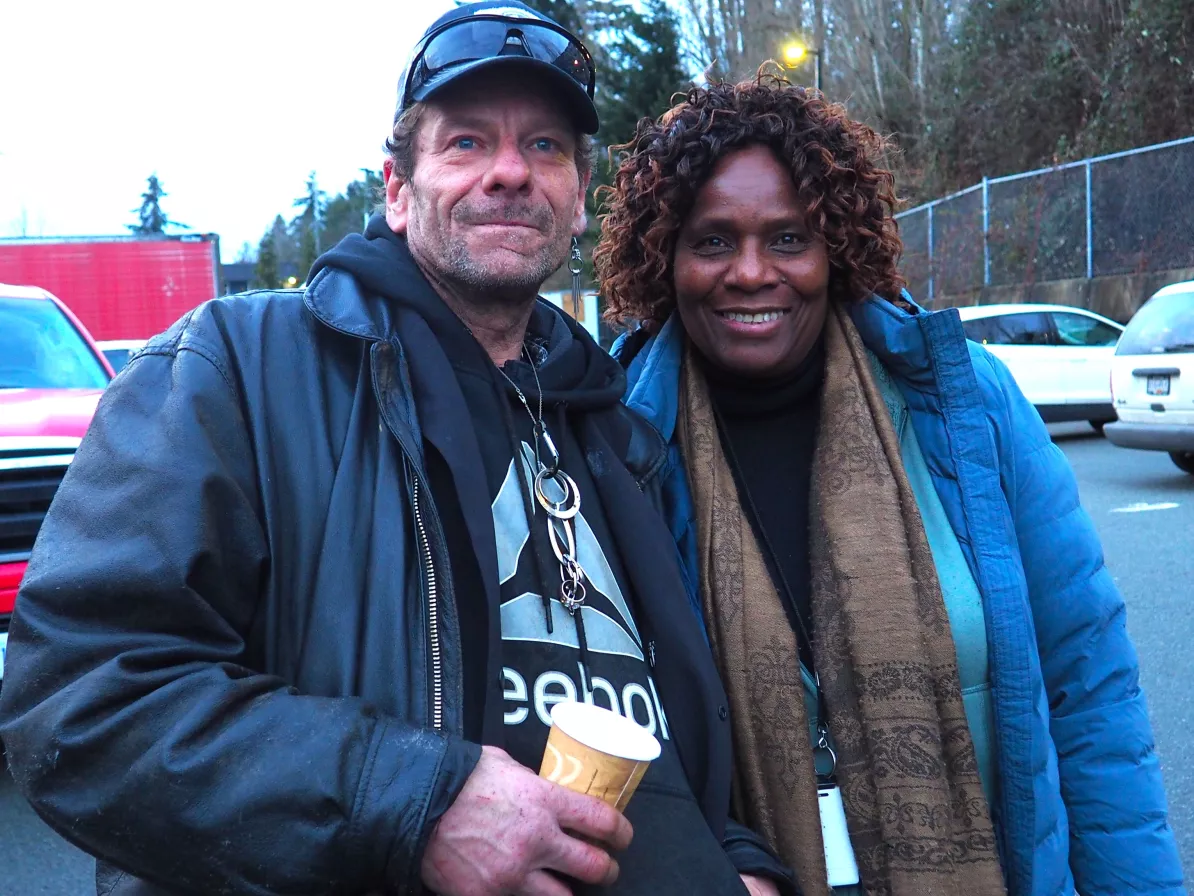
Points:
x=51, y=378
x=51, y=370
x=120, y=287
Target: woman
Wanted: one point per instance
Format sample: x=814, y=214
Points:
x=864, y=498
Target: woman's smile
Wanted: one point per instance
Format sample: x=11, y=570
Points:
x=757, y=324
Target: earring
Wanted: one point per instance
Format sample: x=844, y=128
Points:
x=575, y=266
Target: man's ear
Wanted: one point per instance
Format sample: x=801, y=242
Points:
x=397, y=200
x=580, y=220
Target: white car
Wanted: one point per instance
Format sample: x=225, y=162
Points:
x=118, y=351
x=1152, y=377
x=1060, y=356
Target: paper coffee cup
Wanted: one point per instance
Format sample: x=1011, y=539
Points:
x=597, y=752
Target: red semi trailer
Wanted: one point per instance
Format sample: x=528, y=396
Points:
x=120, y=287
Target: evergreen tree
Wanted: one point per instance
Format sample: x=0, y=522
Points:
x=564, y=12
x=307, y=226
x=284, y=246
x=266, y=274
x=349, y=211
x=151, y=218
x=643, y=69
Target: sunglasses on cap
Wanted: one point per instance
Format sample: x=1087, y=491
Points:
x=481, y=36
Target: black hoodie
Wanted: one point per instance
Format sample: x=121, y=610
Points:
x=480, y=458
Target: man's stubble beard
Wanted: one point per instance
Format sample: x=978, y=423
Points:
x=452, y=264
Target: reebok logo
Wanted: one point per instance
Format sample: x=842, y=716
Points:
x=639, y=704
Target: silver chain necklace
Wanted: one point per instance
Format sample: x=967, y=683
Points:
x=560, y=513
x=536, y=421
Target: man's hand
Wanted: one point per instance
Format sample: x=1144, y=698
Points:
x=504, y=834
x=759, y=886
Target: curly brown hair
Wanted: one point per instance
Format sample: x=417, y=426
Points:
x=835, y=164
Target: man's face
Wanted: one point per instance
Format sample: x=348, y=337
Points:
x=495, y=195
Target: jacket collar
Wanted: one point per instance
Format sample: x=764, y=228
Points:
x=653, y=378
x=899, y=339
x=336, y=300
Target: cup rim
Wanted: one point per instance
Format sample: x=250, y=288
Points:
x=606, y=731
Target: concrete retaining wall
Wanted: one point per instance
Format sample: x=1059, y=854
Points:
x=1114, y=297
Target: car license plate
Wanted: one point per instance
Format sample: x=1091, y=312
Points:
x=1158, y=384
x=3, y=651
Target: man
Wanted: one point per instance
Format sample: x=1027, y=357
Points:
x=325, y=559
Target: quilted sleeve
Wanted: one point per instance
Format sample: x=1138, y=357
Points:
x=1120, y=838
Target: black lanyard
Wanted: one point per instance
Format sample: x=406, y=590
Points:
x=824, y=756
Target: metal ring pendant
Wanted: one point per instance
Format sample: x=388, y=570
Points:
x=565, y=509
x=567, y=557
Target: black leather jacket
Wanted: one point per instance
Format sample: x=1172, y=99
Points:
x=207, y=720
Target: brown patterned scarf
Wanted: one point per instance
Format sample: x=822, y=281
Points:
x=915, y=808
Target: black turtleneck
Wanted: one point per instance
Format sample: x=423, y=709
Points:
x=768, y=430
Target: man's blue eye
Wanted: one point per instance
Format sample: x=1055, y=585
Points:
x=545, y=145
x=465, y=142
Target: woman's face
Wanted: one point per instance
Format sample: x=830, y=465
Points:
x=752, y=284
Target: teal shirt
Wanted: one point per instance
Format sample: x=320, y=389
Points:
x=963, y=602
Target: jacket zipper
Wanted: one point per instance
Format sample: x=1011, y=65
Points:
x=437, y=662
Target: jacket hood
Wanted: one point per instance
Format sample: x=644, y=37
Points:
x=572, y=369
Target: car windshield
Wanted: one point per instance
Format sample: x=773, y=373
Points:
x=41, y=349
x=1164, y=324
x=117, y=357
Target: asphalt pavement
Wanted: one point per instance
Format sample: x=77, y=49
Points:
x=1142, y=507
x=33, y=859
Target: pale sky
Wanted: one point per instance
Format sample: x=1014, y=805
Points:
x=231, y=102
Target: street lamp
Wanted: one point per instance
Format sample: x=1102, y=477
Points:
x=795, y=53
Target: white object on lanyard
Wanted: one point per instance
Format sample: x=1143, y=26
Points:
x=839, y=854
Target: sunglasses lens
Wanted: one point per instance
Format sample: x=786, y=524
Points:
x=463, y=43
x=469, y=41
x=550, y=46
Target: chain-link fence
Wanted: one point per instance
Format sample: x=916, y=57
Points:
x=1124, y=213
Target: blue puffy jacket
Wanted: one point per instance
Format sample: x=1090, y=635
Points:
x=1081, y=805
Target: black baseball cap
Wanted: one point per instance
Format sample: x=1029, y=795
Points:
x=490, y=34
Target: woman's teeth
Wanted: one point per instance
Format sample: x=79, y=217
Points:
x=764, y=318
